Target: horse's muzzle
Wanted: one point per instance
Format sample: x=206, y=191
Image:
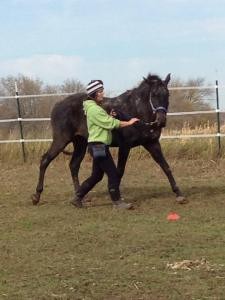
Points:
x=161, y=119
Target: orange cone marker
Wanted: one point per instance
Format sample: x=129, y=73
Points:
x=173, y=216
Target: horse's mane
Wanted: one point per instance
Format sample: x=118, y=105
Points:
x=150, y=78
x=142, y=85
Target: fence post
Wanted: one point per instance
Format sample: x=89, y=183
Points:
x=20, y=122
x=218, y=118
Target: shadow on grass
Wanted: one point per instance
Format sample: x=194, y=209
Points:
x=139, y=194
x=164, y=192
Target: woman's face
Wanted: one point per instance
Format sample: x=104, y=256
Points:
x=99, y=96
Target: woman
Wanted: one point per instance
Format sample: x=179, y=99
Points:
x=100, y=124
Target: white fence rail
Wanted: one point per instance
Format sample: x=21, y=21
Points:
x=170, y=114
x=20, y=119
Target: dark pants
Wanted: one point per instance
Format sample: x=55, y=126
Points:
x=100, y=166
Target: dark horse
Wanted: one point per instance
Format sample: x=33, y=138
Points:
x=148, y=102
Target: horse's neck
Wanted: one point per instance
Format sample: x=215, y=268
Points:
x=130, y=102
x=118, y=102
x=107, y=104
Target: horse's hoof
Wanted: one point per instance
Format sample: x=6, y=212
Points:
x=35, y=199
x=87, y=200
x=181, y=200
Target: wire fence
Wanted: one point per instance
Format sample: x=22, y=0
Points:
x=20, y=119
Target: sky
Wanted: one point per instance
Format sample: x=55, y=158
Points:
x=116, y=41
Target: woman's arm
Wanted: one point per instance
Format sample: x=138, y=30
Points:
x=128, y=123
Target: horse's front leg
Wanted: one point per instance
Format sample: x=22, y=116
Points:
x=122, y=160
x=156, y=153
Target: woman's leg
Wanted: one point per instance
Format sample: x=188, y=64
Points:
x=100, y=166
x=88, y=184
x=109, y=167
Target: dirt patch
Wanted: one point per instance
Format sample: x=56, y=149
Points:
x=190, y=265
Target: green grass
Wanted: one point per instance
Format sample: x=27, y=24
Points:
x=54, y=251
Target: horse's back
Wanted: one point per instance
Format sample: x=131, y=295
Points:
x=67, y=116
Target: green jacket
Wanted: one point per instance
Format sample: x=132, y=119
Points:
x=99, y=123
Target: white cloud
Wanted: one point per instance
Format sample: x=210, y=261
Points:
x=118, y=75
x=214, y=26
x=52, y=68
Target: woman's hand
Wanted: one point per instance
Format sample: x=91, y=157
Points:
x=113, y=113
x=133, y=120
x=128, y=123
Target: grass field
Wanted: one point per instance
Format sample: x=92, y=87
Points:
x=54, y=251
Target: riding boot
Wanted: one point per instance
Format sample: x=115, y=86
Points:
x=77, y=201
x=80, y=193
x=118, y=202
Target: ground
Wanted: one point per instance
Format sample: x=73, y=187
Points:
x=55, y=251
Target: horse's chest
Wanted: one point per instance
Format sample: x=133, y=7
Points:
x=134, y=136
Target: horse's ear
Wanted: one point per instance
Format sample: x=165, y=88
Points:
x=167, y=80
x=145, y=79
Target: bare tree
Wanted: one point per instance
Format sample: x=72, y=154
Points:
x=190, y=100
x=72, y=86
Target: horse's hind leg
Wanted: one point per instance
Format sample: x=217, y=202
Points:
x=56, y=147
x=156, y=153
x=80, y=146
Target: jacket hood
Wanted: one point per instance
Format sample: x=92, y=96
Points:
x=87, y=104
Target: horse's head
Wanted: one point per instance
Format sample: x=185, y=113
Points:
x=158, y=97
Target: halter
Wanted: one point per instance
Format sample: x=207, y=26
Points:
x=157, y=108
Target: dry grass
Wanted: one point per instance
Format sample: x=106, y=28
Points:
x=191, y=148
x=54, y=251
